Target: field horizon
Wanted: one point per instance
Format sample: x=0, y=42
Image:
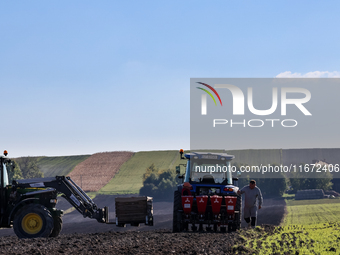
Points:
x=128, y=178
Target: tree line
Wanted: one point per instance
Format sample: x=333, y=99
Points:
x=161, y=183
x=158, y=183
x=24, y=168
x=276, y=184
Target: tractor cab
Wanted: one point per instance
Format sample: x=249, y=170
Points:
x=3, y=183
x=4, y=174
x=209, y=173
x=208, y=168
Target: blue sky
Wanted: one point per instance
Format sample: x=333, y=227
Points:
x=80, y=77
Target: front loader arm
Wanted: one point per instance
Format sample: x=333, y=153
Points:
x=72, y=193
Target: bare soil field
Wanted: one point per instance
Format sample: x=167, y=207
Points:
x=86, y=236
x=136, y=242
x=96, y=171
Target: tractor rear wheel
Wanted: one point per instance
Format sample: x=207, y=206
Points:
x=238, y=216
x=58, y=223
x=176, y=221
x=33, y=220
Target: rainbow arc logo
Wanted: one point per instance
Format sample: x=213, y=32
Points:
x=209, y=93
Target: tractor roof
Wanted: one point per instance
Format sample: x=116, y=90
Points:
x=208, y=155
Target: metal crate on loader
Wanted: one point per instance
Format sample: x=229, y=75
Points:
x=133, y=211
x=207, y=199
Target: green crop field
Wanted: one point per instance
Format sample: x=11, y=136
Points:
x=305, y=212
x=53, y=166
x=310, y=227
x=322, y=238
x=129, y=179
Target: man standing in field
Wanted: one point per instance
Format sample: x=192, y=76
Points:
x=252, y=194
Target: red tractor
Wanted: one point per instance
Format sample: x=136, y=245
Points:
x=208, y=197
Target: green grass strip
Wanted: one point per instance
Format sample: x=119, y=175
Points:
x=322, y=238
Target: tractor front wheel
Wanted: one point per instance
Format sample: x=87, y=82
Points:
x=33, y=220
x=238, y=216
x=58, y=223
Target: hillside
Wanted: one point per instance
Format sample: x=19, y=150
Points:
x=256, y=157
x=296, y=156
x=133, y=165
x=97, y=170
x=251, y=156
x=53, y=166
x=130, y=177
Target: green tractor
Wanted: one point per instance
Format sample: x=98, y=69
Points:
x=29, y=206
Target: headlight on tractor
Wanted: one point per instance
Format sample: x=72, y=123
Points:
x=53, y=201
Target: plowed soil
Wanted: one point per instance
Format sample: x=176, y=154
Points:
x=86, y=236
x=95, y=172
x=136, y=242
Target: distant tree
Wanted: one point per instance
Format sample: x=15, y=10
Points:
x=29, y=168
x=321, y=180
x=167, y=175
x=310, y=183
x=244, y=179
x=166, y=187
x=147, y=189
x=151, y=169
x=272, y=184
x=152, y=179
x=14, y=172
x=158, y=183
